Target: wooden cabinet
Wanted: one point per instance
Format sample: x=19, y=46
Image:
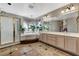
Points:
x=67, y=43
x=51, y=39
x=40, y=37
x=48, y=38
x=60, y=41
x=78, y=46
x=70, y=44
x=43, y=37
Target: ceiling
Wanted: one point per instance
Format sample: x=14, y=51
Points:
x=30, y=10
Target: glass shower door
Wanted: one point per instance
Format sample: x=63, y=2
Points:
x=17, y=33
x=6, y=30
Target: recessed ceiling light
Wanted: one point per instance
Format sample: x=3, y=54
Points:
x=9, y=4
x=31, y=6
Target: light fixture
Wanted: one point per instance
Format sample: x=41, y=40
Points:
x=68, y=9
x=45, y=18
x=31, y=6
x=62, y=11
x=72, y=8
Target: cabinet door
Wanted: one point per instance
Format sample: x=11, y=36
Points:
x=43, y=37
x=52, y=42
x=60, y=41
x=51, y=39
x=40, y=37
x=78, y=46
x=70, y=44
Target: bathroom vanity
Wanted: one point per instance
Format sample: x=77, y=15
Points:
x=66, y=41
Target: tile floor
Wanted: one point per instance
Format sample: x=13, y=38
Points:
x=33, y=49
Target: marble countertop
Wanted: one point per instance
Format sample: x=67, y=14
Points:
x=63, y=33
x=55, y=33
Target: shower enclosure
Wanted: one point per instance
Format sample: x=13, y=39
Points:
x=9, y=30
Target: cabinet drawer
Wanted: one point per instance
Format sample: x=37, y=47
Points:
x=51, y=42
x=51, y=38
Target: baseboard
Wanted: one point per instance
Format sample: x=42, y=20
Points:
x=6, y=45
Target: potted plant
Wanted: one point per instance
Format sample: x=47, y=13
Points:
x=32, y=27
x=21, y=29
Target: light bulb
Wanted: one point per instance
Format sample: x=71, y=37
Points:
x=67, y=10
x=44, y=17
x=72, y=8
x=62, y=11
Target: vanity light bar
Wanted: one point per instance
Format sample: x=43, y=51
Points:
x=70, y=8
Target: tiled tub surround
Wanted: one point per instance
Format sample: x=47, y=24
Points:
x=29, y=36
x=63, y=40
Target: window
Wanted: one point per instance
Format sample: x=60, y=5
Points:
x=25, y=25
x=34, y=27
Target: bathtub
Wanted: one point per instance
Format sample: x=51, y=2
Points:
x=29, y=36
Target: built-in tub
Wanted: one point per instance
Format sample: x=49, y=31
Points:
x=29, y=36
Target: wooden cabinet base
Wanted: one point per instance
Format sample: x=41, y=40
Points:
x=66, y=43
x=73, y=54
x=60, y=41
x=70, y=44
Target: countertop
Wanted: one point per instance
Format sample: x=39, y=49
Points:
x=63, y=33
x=55, y=33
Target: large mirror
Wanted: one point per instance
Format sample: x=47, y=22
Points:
x=65, y=23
